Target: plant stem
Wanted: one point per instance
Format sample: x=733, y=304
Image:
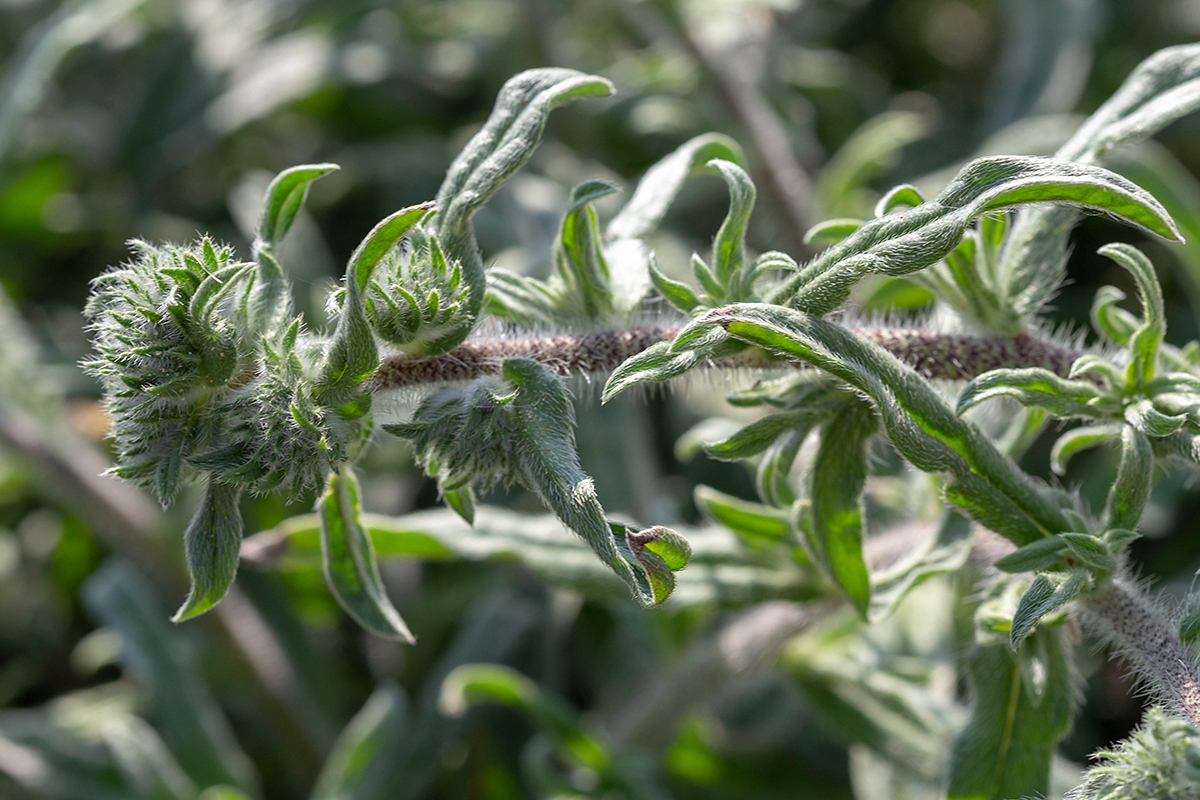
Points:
x=932, y=355
x=1151, y=642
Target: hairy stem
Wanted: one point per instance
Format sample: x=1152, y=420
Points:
x=933, y=355
x=1150, y=642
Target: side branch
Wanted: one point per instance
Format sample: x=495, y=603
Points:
x=932, y=355
x=1151, y=643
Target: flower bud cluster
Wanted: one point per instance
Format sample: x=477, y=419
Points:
x=417, y=296
x=189, y=389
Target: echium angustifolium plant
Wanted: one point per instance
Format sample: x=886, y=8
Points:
x=209, y=374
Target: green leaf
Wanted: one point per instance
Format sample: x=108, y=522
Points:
x=676, y=293
x=1116, y=324
x=1034, y=386
x=625, y=249
x=898, y=197
x=518, y=298
x=1162, y=89
x=352, y=355
x=660, y=185
x=520, y=428
x=472, y=684
x=267, y=300
x=1005, y=749
x=661, y=362
x=578, y=258
x=1092, y=364
x=729, y=245
x=499, y=149
x=872, y=150
x=945, y=550
x=1147, y=338
x=837, y=478
x=283, y=200
x=1049, y=592
x=1130, y=491
x=462, y=501
x=348, y=558
x=211, y=544
x=187, y=716
x=1149, y=420
x=755, y=524
x=1091, y=552
x=832, y=231
x=900, y=244
x=149, y=769
x=1039, y=555
x=758, y=435
x=722, y=571
x=356, y=766
x=772, y=479
x=919, y=423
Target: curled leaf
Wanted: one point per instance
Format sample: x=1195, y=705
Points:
x=1048, y=593
x=900, y=244
x=211, y=544
x=1035, y=386
x=500, y=148
x=348, y=558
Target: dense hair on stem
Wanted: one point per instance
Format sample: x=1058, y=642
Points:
x=939, y=356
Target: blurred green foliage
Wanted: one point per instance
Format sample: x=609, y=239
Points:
x=165, y=119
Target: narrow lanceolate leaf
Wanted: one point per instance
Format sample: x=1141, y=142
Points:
x=349, y=560
x=1090, y=552
x=871, y=151
x=505, y=142
x=353, y=355
x=1039, y=555
x=1049, y=592
x=145, y=763
x=520, y=428
x=832, y=231
x=211, y=544
x=579, y=259
x=898, y=198
x=661, y=362
x=1005, y=748
x=919, y=423
x=944, y=550
x=837, y=478
x=658, y=188
x=676, y=293
x=358, y=766
x=191, y=722
x=625, y=247
x=900, y=244
x=729, y=245
x=268, y=296
x=1149, y=420
x=756, y=525
x=472, y=684
x=1146, y=339
x=772, y=479
x=1162, y=89
x=283, y=200
x=1135, y=477
x=813, y=407
x=1035, y=386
